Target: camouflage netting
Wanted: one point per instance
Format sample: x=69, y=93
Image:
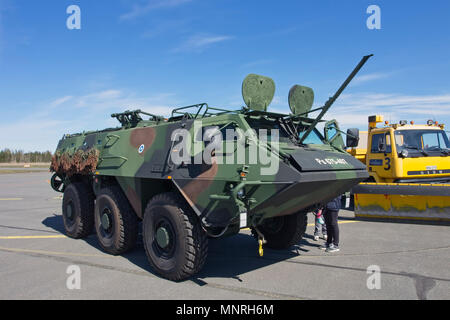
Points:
x=81, y=162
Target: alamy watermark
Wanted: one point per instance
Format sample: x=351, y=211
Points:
x=74, y=20
x=374, y=20
x=212, y=145
x=374, y=278
x=73, y=281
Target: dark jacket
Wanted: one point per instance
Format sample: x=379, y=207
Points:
x=334, y=205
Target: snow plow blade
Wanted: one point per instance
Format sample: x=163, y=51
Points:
x=428, y=202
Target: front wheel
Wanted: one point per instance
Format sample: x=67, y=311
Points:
x=78, y=210
x=174, y=241
x=284, y=231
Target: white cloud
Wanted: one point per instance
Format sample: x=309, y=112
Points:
x=114, y=100
x=397, y=101
x=32, y=134
x=140, y=10
x=199, y=42
x=371, y=77
x=353, y=109
x=97, y=97
x=60, y=101
x=163, y=27
x=42, y=129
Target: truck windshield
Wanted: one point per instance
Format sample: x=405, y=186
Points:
x=421, y=140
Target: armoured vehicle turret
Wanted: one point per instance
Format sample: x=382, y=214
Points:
x=203, y=172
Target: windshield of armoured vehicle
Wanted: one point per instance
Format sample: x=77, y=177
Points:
x=313, y=138
x=257, y=124
x=421, y=140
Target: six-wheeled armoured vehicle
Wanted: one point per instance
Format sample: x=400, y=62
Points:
x=203, y=172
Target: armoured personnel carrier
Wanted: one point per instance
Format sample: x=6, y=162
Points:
x=203, y=172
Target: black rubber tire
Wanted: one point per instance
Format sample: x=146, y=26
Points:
x=188, y=241
x=80, y=198
x=122, y=235
x=289, y=232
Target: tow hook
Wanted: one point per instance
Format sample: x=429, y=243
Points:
x=261, y=242
x=260, y=249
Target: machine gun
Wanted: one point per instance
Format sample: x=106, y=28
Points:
x=130, y=119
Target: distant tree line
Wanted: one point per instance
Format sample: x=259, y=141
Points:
x=7, y=155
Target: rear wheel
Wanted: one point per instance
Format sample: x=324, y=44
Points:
x=78, y=210
x=283, y=232
x=116, y=223
x=174, y=241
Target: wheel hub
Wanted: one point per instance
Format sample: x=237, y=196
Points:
x=106, y=222
x=69, y=212
x=162, y=237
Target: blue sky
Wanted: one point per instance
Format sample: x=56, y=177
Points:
x=156, y=54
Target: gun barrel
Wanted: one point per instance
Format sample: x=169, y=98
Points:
x=330, y=101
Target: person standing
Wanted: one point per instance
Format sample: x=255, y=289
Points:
x=320, y=227
x=330, y=213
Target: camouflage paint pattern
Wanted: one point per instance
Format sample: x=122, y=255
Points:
x=139, y=159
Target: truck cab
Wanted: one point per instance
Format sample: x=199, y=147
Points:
x=404, y=152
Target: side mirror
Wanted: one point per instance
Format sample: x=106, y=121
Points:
x=352, y=138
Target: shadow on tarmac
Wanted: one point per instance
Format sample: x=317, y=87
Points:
x=228, y=257
x=55, y=222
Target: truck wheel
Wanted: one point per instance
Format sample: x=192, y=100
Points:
x=283, y=232
x=116, y=223
x=78, y=210
x=174, y=241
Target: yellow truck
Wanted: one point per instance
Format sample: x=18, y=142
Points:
x=409, y=168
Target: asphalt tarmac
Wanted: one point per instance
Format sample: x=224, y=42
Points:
x=413, y=259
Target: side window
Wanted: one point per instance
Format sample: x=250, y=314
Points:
x=377, y=139
x=381, y=141
x=333, y=135
x=388, y=143
x=331, y=132
x=228, y=133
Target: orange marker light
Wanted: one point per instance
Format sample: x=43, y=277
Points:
x=243, y=174
x=412, y=122
x=169, y=177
